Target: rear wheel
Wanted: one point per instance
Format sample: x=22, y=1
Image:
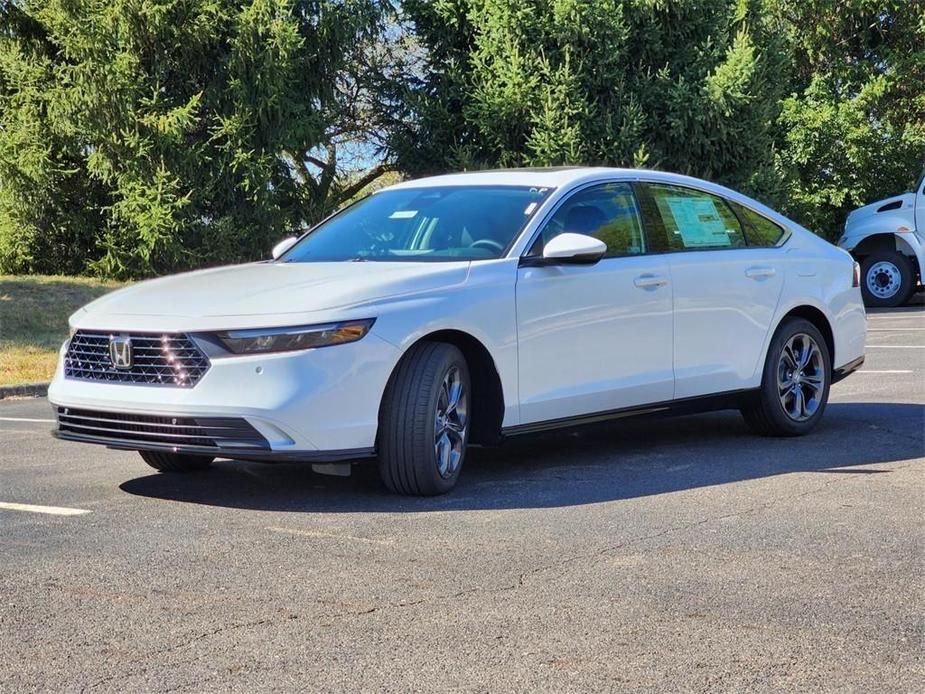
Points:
x=795, y=382
x=175, y=462
x=887, y=279
x=424, y=421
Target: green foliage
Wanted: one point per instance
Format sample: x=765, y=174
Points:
x=142, y=136
x=855, y=130
x=815, y=106
x=692, y=86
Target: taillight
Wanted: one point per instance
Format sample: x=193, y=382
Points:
x=856, y=279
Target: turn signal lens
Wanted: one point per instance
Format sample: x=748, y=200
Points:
x=856, y=279
x=262, y=340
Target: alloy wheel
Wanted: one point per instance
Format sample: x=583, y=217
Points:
x=801, y=377
x=450, y=423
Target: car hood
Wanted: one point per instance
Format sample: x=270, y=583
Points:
x=242, y=295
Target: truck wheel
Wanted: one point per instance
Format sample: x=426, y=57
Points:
x=175, y=462
x=887, y=279
x=424, y=421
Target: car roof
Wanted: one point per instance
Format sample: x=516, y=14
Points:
x=551, y=177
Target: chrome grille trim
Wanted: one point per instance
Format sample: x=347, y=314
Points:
x=171, y=360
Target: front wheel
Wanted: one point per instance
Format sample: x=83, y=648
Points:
x=794, y=384
x=887, y=279
x=175, y=462
x=424, y=421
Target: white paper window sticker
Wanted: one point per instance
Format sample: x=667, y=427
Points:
x=530, y=208
x=699, y=222
x=403, y=214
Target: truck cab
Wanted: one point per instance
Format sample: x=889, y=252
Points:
x=888, y=239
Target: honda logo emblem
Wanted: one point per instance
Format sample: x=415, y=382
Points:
x=120, y=352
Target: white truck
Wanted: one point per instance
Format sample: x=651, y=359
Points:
x=888, y=239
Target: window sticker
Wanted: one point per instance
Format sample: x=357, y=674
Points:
x=530, y=208
x=698, y=221
x=403, y=214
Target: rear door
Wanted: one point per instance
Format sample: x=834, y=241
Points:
x=725, y=291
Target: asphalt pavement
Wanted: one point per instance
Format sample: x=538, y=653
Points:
x=681, y=555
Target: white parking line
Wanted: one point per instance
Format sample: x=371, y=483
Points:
x=886, y=371
x=26, y=419
x=51, y=510
x=899, y=346
x=896, y=330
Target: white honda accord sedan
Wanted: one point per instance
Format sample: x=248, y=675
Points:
x=464, y=309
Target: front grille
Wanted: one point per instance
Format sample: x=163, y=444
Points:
x=163, y=360
x=119, y=428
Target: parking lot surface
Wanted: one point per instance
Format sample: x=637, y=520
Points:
x=683, y=555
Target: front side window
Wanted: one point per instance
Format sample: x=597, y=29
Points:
x=444, y=223
x=693, y=220
x=607, y=212
x=760, y=232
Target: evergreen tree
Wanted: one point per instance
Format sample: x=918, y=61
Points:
x=142, y=136
x=689, y=85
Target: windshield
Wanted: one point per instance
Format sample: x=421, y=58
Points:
x=423, y=224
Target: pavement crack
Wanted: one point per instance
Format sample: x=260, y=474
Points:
x=595, y=555
x=175, y=647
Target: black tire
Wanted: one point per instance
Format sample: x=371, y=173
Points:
x=175, y=462
x=767, y=414
x=408, y=421
x=884, y=261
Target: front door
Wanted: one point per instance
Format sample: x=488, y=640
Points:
x=595, y=338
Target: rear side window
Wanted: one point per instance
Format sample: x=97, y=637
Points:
x=693, y=220
x=607, y=212
x=760, y=232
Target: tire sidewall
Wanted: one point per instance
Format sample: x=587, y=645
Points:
x=769, y=388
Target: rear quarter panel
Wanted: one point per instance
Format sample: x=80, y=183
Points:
x=820, y=275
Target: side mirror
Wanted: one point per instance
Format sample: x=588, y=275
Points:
x=283, y=246
x=570, y=249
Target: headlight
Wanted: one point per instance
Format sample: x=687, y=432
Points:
x=260, y=340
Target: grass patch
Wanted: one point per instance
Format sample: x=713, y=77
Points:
x=33, y=321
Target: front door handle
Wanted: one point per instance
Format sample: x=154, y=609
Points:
x=759, y=272
x=650, y=281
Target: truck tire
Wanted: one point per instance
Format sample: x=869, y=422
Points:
x=887, y=279
x=424, y=421
x=175, y=462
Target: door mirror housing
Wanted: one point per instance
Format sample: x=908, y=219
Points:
x=569, y=249
x=283, y=246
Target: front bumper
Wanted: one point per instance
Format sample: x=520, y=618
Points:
x=318, y=405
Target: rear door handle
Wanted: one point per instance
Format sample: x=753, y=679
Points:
x=650, y=281
x=760, y=272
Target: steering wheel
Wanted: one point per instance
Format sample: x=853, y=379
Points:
x=491, y=243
